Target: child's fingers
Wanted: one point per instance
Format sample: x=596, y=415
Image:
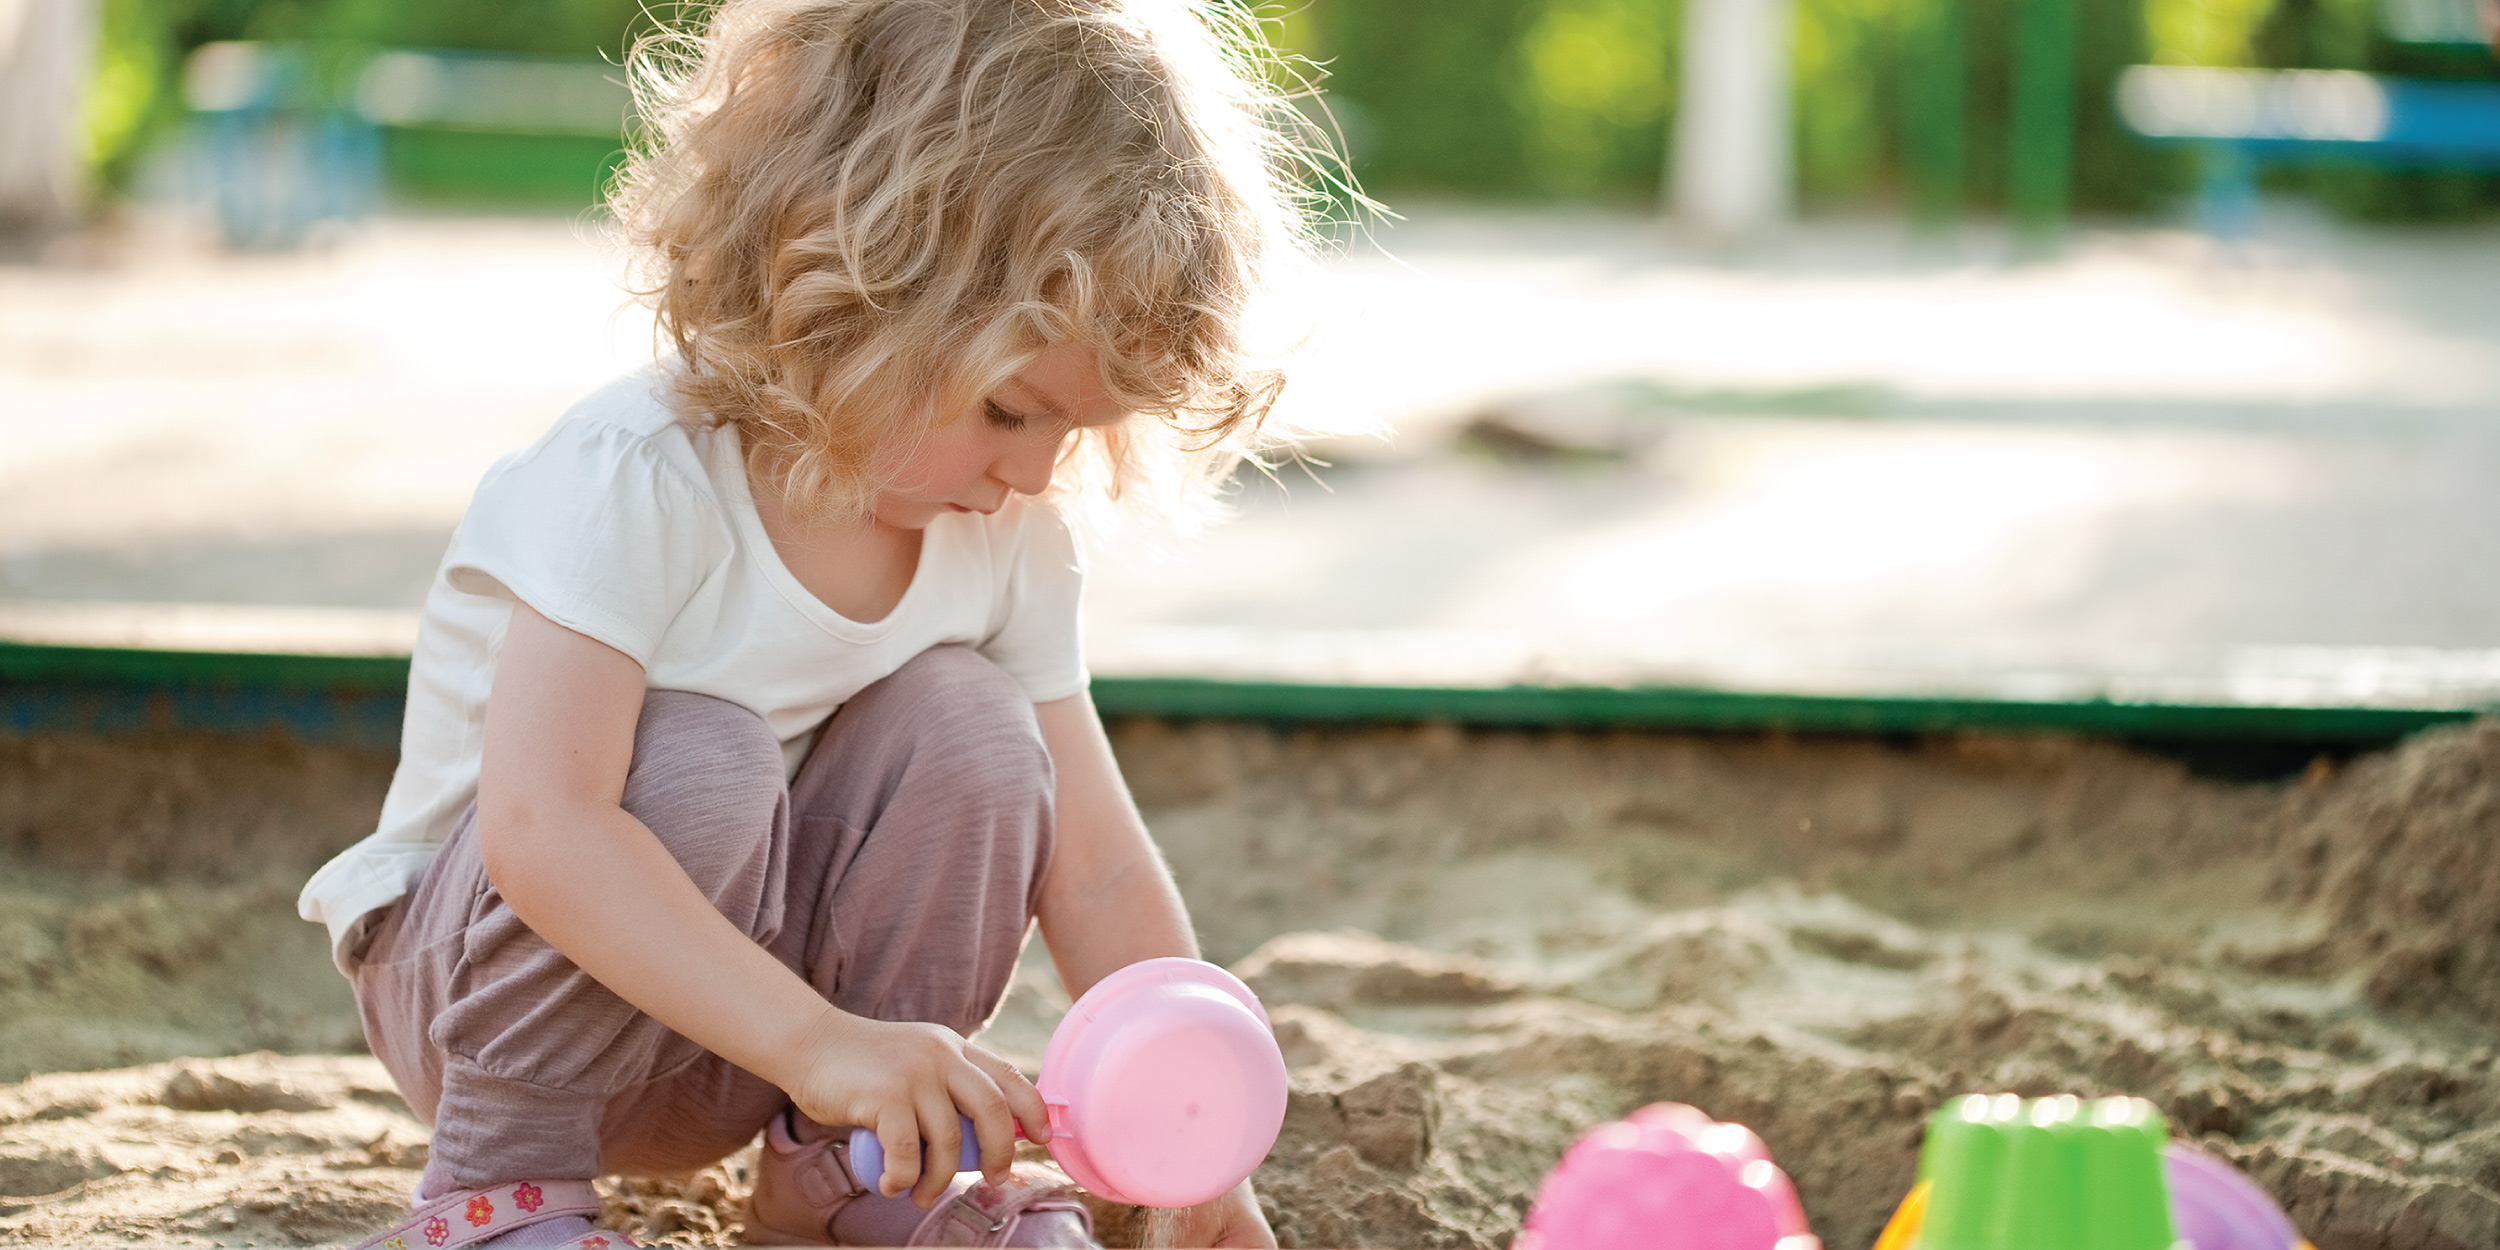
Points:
x=1023, y=1101
x=993, y=1124
x=898, y=1134
x=944, y=1138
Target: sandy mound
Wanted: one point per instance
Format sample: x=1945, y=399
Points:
x=285, y=1151
x=1475, y=945
x=257, y=1149
x=147, y=897
x=2404, y=860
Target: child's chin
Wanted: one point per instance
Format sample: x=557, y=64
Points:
x=911, y=516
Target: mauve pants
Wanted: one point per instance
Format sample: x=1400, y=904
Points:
x=896, y=875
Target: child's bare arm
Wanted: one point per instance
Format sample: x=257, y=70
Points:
x=1109, y=902
x=596, y=884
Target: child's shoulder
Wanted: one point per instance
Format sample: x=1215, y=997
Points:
x=632, y=421
x=616, y=483
x=617, y=458
x=639, y=405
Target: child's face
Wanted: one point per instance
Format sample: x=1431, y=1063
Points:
x=1007, y=445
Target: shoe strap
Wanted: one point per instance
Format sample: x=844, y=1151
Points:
x=983, y=1213
x=470, y=1216
x=822, y=1171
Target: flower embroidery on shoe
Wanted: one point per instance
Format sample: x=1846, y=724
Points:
x=595, y=1242
x=396, y=1243
x=437, y=1231
x=481, y=1210
x=529, y=1197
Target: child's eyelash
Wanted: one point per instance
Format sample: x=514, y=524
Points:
x=1001, y=417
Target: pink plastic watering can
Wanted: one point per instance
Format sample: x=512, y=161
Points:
x=1667, y=1178
x=1164, y=1084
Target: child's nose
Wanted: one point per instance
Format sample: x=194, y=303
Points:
x=1027, y=469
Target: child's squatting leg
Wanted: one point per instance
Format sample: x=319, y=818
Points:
x=896, y=876
x=496, y=1039
x=943, y=856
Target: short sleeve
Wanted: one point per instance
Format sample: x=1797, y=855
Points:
x=597, y=530
x=1037, y=638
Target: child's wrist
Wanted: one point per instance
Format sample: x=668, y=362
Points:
x=800, y=1042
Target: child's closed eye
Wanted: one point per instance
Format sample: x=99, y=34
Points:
x=1004, y=419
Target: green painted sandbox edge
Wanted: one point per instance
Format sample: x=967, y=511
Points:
x=1639, y=707
x=1666, y=707
x=47, y=662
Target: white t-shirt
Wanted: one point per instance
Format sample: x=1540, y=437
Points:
x=625, y=525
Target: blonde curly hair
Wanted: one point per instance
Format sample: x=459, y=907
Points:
x=858, y=217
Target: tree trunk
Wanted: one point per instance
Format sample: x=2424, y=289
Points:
x=46, y=50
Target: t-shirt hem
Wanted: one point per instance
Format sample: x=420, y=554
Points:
x=606, y=630
x=345, y=918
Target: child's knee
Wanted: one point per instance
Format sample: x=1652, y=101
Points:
x=958, y=707
x=707, y=781
x=954, y=673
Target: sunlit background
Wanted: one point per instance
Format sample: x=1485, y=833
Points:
x=2053, y=348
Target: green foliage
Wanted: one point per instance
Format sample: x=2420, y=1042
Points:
x=1428, y=86
x=2344, y=34
x=126, y=100
x=1593, y=82
x=1849, y=99
x=544, y=27
x=1576, y=98
x=1521, y=98
x=484, y=166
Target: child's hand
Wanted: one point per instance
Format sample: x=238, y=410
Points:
x=1231, y=1220
x=906, y=1082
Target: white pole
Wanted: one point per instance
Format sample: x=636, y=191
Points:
x=1732, y=172
x=45, y=47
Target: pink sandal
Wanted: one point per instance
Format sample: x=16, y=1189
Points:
x=801, y=1186
x=473, y=1215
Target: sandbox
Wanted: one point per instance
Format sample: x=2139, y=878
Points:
x=1474, y=942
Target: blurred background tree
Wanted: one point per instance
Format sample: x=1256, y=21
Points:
x=1519, y=99
x=1575, y=98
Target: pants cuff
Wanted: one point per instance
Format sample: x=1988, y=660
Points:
x=490, y=1129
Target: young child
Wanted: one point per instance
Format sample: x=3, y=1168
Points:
x=747, y=728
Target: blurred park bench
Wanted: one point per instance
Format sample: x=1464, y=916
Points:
x=292, y=136
x=2242, y=119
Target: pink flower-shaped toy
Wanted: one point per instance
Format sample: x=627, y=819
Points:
x=1667, y=1178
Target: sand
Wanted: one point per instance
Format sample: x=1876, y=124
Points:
x=1474, y=944
x=147, y=892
